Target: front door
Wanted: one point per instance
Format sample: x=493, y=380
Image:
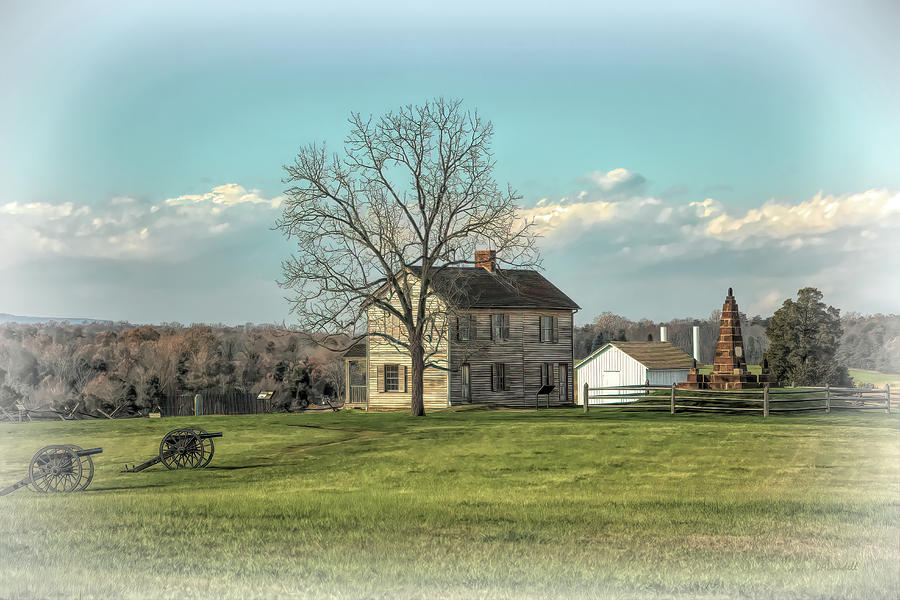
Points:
x=563, y=382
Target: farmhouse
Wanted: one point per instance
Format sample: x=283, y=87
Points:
x=497, y=337
x=632, y=363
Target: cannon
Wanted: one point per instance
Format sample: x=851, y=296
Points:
x=185, y=448
x=59, y=468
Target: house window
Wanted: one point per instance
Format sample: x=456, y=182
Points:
x=392, y=378
x=499, y=382
x=549, y=328
x=465, y=328
x=546, y=374
x=466, y=383
x=499, y=327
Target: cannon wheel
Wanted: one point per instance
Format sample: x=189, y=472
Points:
x=181, y=449
x=87, y=469
x=209, y=448
x=55, y=469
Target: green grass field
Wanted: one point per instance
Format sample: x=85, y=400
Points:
x=861, y=376
x=465, y=504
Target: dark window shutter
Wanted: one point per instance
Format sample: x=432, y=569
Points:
x=505, y=379
x=473, y=328
x=405, y=376
x=492, y=321
x=551, y=374
x=457, y=330
x=505, y=327
x=380, y=378
x=493, y=377
x=543, y=374
x=555, y=329
x=541, y=328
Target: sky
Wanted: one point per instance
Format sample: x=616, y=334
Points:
x=667, y=151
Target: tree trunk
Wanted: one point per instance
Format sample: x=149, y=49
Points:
x=416, y=387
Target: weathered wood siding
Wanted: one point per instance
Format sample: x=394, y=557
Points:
x=523, y=353
x=382, y=352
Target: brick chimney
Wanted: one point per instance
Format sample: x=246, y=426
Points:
x=486, y=259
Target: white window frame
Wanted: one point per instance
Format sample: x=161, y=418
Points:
x=396, y=379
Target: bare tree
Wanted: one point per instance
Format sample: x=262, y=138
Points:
x=334, y=372
x=412, y=189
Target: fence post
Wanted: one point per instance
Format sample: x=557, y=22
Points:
x=584, y=397
x=672, y=400
x=766, y=401
x=827, y=398
x=887, y=397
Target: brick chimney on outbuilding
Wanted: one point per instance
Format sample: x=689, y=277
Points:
x=486, y=259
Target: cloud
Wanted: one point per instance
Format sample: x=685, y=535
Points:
x=611, y=196
x=868, y=215
x=617, y=180
x=126, y=228
x=708, y=207
x=768, y=303
x=637, y=244
x=559, y=221
x=43, y=210
x=229, y=194
x=822, y=214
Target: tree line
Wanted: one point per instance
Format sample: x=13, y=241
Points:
x=104, y=367
x=108, y=366
x=805, y=342
x=610, y=327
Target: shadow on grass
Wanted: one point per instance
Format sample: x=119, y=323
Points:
x=108, y=488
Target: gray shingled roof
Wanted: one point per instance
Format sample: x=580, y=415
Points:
x=357, y=350
x=653, y=355
x=475, y=287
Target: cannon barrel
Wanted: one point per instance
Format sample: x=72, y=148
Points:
x=206, y=436
x=89, y=452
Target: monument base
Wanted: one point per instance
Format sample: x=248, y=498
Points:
x=741, y=380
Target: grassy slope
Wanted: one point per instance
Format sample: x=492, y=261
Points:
x=876, y=378
x=462, y=504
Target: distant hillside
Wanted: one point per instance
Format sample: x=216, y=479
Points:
x=7, y=318
x=106, y=366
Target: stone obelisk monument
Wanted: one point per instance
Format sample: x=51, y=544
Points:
x=730, y=363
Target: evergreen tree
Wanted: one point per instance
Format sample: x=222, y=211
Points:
x=804, y=337
x=153, y=395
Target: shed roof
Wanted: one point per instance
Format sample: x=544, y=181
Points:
x=357, y=350
x=653, y=355
x=476, y=287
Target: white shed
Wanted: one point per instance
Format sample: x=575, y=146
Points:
x=631, y=363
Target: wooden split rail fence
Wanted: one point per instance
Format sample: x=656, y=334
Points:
x=760, y=401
